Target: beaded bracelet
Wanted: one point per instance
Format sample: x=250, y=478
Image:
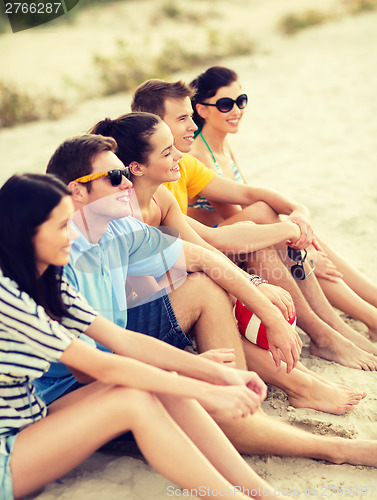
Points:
x=257, y=280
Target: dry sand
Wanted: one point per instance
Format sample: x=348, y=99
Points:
x=310, y=131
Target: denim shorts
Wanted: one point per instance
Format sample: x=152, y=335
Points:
x=6, y=487
x=157, y=319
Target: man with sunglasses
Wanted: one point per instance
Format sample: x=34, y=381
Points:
x=111, y=245
x=100, y=191
x=331, y=337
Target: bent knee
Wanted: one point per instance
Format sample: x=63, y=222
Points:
x=262, y=213
x=204, y=286
x=130, y=401
x=198, y=291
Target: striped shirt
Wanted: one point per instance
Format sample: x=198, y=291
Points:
x=29, y=341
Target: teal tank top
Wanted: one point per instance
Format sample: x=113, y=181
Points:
x=202, y=202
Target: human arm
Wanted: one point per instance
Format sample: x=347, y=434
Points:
x=224, y=190
x=247, y=237
x=280, y=298
x=231, y=236
x=220, y=355
x=281, y=336
x=174, y=217
x=160, y=354
x=112, y=369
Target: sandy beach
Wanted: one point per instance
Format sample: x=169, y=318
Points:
x=310, y=132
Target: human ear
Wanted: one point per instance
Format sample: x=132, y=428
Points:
x=202, y=110
x=136, y=169
x=79, y=192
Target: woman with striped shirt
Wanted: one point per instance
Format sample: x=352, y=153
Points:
x=139, y=389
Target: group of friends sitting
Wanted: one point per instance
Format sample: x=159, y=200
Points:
x=129, y=254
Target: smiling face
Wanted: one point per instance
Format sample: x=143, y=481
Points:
x=104, y=199
x=178, y=117
x=52, y=240
x=162, y=165
x=224, y=122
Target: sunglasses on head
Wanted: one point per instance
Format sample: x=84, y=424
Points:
x=298, y=271
x=115, y=176
x=225, y=104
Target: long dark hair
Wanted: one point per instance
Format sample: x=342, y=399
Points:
x=26, y=201
x=132, y=133
x=207, y=84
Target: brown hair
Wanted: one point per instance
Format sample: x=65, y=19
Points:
x=73, y=158
x=151, y=95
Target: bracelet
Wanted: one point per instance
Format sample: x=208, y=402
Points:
x=257, y=280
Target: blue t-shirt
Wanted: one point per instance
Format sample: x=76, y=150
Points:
x=127, y=248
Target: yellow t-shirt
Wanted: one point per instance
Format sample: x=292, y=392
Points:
x=194, y=177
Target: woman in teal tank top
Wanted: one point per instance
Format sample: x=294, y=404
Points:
x=218, y=106
x=215, y=122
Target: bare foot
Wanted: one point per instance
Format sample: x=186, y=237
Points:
x=330, y=383
x=358, y=339
x=372, y=334
x=316, y=375
x=354, y=452
x=319, y=395
x=342, y=351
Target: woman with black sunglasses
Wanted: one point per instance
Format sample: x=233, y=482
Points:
x=218, y=106
x=41, y=316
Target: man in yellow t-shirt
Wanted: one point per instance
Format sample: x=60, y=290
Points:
x=194, y=178
x=171, y=102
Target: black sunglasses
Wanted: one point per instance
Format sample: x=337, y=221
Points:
x=298, y=271
x=225, y=104
x=115, y=176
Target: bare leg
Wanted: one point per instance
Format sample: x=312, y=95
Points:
x=322, y=308
x=263, y=435
x=345, y=299
x=50, y=448
x=338, y=293
x=359, y=283
x=200, y=428
x=338, y=296
x=317, y=300
x=330, y=337
x=326, y=341
x=202, y=305
x=261, y=213
x=303, y=388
